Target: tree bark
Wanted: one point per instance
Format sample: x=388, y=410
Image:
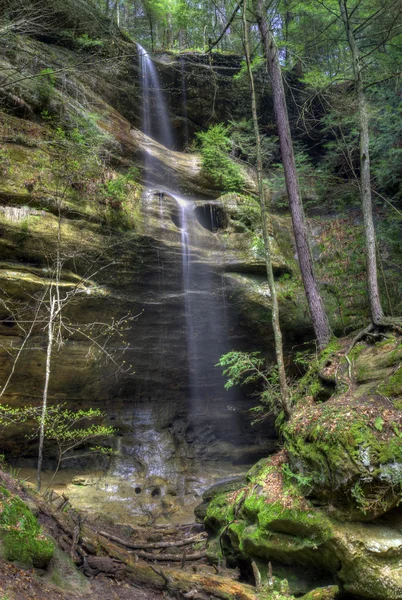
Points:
x=376, y=310
x=316, y=306
x=265, y=228
x=50, y=335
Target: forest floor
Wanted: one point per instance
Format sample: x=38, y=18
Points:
x=22, y=584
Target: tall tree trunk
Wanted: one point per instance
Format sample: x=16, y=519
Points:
x=169, y=31
x=319, y=319
x=265, y=228
x=50, y=336
x=376, y=311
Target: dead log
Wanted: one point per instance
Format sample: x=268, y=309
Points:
x=141, y=573
x=171, y=557
x=149, y=546
x=106, y=565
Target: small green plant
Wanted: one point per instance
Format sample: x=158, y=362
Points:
x=68, y=429
x=358, y=495
x=242, y=368
x=297, y=478
x=85, y=42
x=22, y=536
x=216, y=145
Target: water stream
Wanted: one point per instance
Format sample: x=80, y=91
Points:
x=205, y=309
x=155, y=115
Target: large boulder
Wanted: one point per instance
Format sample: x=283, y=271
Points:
x=269, y=520
x=349, y=447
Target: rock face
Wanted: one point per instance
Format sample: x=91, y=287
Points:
x=126, y=255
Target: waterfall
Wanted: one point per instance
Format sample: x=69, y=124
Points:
x=206, y=318
x=204, y=312
x=155, y=114
x=201, y=333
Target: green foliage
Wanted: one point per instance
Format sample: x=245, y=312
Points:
x=386, y=141
x=244, y=368
x=311, y=179
x=85, y=42
x=241, y=367
x=378, y=423
x=215, y=146
x=258, y=246
x=22, y=536
x=78, y=149
x=69, y=429
x=243, y=139
x=290, y=477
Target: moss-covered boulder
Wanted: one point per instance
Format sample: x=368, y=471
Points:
x=21, y=535
x=269, y=520
x=350, y=447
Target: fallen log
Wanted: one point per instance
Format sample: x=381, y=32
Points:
x=149, y=546
x=140, y=572
x=170, y=557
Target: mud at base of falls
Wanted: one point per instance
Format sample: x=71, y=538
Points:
x=139, y=500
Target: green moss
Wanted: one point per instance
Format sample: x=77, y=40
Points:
x=259, y=472
x=393, y=386
x=22, y=536
x=343, y=445
x=219, y=513
x=328, y=593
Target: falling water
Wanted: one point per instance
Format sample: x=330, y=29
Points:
x=155, y=115
x=205, y=314
x=203, y=311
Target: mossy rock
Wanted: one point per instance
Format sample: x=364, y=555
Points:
x=352, y=452
x=223, y=487
x=349, y=447
x=269, y=520
x=22, y=536
x=330, y=592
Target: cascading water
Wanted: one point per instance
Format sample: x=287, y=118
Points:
x=183, y=421
x=206, y=319
x=204, y=311
x=155, y=115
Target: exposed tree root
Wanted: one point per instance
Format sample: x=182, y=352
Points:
x=370, y=331
x=155, y=546
x=97, y=554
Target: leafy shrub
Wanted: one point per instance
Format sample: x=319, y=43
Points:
x=244, y=368
x=243, y=138
x=216, y=146
x=85, y=42
x=22, y=535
